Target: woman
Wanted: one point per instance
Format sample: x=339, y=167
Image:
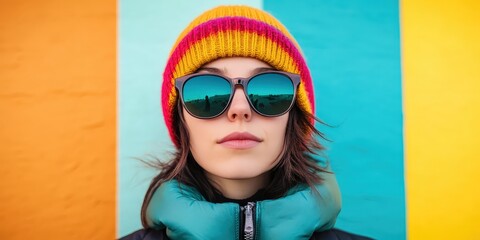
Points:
x=238, y=101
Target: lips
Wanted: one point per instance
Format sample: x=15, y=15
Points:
x=239, y=136
x=239, y=140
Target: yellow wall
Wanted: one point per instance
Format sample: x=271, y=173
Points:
x=441, y=76
x=57, y=119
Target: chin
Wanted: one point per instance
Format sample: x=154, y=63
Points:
x=237, y=167
x=241, y=172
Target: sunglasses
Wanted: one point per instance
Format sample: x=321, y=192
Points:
x=208, y=95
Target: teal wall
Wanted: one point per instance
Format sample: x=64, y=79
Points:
x=353, y=50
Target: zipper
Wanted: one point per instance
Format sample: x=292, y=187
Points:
x=249, y=226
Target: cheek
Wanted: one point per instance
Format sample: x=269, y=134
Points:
x=198, y=144
x=196, y=133
x=276, y=133
x=201, y=135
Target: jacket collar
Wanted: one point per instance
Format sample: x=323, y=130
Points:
x=187, y=215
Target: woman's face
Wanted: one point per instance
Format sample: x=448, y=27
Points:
x=235, y=158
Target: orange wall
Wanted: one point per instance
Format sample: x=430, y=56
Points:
x=57, y=119
x=441, y=77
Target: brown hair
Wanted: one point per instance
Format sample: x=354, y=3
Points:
x=297, y=165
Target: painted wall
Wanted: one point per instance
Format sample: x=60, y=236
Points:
x=400, y=83
x=441, y=59
x=57, y=119
x=353, y=51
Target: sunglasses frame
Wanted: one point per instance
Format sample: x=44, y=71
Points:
x=295, y=78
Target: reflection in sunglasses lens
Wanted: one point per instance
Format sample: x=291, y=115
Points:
x=206, y=95
x=271, y=93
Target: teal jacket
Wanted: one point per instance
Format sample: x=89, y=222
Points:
x=185, y=213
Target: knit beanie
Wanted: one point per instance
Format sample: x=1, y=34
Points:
x=233, y=31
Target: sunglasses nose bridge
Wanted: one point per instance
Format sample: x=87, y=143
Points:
x=237, y=81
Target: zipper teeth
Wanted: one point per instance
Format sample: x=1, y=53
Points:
x=249, y=227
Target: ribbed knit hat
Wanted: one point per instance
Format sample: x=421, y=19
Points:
x=233, y=31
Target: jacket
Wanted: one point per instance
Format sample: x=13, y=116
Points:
x=331, y=234
x=177, y=211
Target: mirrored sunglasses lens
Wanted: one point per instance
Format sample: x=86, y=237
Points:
x=271, y=93
x=206, y=95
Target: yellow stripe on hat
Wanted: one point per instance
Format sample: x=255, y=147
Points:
x=238, y=11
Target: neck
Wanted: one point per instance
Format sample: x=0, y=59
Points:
x=239, y=188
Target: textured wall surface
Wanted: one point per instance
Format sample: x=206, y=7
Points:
x=441, y=69
x=57, y=119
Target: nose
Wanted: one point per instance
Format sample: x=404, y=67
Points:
x=239, y=107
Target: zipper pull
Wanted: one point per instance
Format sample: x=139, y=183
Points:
x=249, y=228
